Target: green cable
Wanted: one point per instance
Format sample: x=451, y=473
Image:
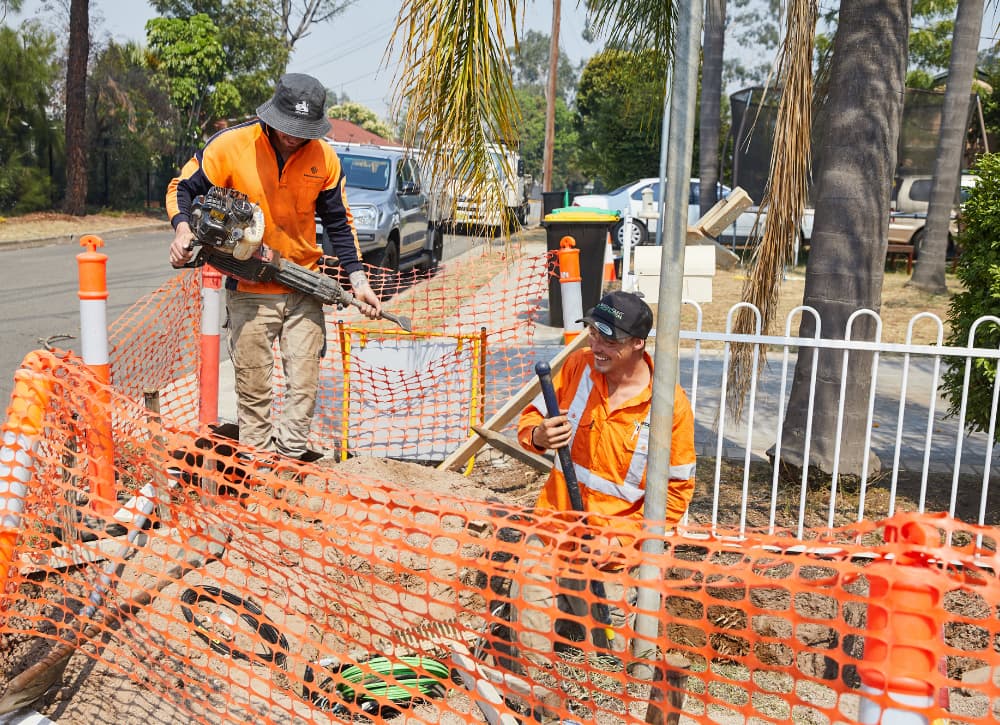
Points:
x=368, y=677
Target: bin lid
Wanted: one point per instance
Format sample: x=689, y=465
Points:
x=581, y=214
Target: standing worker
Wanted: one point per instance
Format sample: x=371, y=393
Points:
x=604, y=396
x=281, y=165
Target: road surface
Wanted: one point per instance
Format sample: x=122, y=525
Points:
x=40, y=297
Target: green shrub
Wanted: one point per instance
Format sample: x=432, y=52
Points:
x=24, y=189
x=979, y=270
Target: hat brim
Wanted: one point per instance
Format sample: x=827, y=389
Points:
x=605, y=329
x=297, y=127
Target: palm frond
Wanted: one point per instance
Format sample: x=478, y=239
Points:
x=785, y=195
x=635, y=24
x=457, y=86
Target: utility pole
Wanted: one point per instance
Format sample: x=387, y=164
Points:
x=677, y=142
x=550, y=98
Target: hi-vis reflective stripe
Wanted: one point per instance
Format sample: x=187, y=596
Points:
x=682, y=472
x=594, y=482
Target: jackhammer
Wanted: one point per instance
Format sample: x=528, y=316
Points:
x=229, y=230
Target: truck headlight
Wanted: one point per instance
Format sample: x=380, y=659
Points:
x=365, y=216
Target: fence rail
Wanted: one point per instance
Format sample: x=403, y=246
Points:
x=908, y=429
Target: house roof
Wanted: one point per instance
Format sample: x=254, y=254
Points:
x=347, y=132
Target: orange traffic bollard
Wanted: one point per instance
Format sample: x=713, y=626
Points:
x=570, y=289
x=93, y=295
x=208, y=380
x=904, y=632
x=20, y=437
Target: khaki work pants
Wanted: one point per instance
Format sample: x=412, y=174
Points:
x=296, y=321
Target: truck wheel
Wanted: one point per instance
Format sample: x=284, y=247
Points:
x=384, y=278
x=436, y=251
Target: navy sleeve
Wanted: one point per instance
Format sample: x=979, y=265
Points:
x=336, y=220
x=186, y=189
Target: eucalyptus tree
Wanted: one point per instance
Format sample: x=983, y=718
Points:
x=287, y=22
x=76, y=108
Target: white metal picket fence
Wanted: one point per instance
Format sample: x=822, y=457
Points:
x=930, y=462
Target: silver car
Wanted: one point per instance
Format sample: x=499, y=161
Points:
x=390, y=208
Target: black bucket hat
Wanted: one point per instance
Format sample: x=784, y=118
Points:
x=297, y=108
x=620, y=315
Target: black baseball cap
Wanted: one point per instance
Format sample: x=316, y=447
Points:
x=298, y=107
x=620, y=315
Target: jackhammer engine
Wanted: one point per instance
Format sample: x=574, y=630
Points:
x=229, y=230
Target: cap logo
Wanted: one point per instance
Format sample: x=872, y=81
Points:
x=617, y=314
x=302, y=108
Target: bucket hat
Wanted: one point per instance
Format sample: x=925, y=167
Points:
x=297, y=108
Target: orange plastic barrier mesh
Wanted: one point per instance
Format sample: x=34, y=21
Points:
x=234, y=587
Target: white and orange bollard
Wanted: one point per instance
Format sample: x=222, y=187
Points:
x=609, y=261
x=570, y=288
x=21, y=432
x=904, y=633
x=211, y=307
x=93, y=295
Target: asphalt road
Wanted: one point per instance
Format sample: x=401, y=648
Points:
x=40, y=296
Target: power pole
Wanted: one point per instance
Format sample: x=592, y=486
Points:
x=550, y=98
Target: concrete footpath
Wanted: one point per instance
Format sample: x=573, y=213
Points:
x=759, y=433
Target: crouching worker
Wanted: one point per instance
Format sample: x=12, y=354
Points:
x=605, y=396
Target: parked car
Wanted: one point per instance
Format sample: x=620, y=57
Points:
x=390, y=208
x=629, y=199
x=912, y=194
x=908, y=218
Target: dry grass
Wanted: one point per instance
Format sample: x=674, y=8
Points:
x=48, y=225
x=899, y=304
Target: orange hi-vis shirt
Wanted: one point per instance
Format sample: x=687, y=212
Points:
x=609, y=448
x=310, y=182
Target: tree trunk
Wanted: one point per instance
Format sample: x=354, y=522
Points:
x=711, y=93
x=550, y=98
x=76, y=108
x=932, y=257
x=847, y=258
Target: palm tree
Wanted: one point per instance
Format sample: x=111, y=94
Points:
x=711, y=93
x=857, y=160
x=930, y=269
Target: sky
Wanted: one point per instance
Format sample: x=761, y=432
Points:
x=346, y=55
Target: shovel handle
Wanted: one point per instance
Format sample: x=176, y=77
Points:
x=544, y=373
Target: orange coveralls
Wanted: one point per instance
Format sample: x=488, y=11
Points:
x=609, y=447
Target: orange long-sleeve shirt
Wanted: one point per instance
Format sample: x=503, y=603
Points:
x=310, y=182
x=607, y=442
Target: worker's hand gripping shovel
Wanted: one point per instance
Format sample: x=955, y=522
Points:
x=544, y=373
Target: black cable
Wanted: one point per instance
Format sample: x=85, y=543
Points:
x=248, y=611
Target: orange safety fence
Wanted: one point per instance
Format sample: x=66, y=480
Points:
x=234, y=586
